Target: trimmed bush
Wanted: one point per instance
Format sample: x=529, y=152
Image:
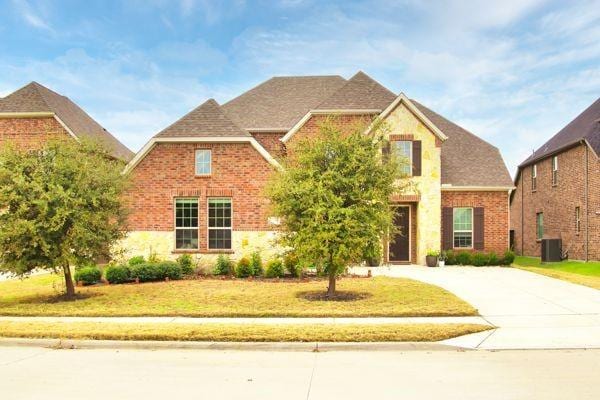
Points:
x=186, y=263
x=136, y=260
x=509, y=258
x=145, y=272
x=88, y=275
x=224, y=266
x=463, y=258
x=256, y=264
x=243, y=268
x=169, y=269
x=117, y=273
x=450, y=257
x=493, y=259
x=290, y=261
x=479, y=259
x=274, y=269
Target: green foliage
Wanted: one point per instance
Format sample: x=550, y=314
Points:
x=333, y=196
x=493, y=259
x=433, y=253
x=479, y=259
x=151, y=272
x=509, y=258
x=243, y=268
x=88, y=275
x=224, y=266
x=186, y=263
x=117, y=273
x=169, y=269
x=450, y=257
x=153, y=258
x=256, y=264
x=136, y=260
x=274, y=269
x=463, y=258
x=61, y=207
x=292, y=264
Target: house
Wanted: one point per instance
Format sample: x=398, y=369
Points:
x=558, y=191
x=198, y=185
x=34, y=114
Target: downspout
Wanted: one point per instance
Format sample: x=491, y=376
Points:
x=587, y=204
x=522, y=214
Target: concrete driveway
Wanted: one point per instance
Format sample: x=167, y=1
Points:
x=531, y=310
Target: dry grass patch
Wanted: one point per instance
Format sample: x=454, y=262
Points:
x=239, y=332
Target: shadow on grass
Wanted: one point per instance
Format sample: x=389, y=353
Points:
x=343, y=296
x=53, y=299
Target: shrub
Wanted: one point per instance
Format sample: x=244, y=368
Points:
x=509, y=258
x=136, y=260
x=243, y=268
x=493, y=259
x=146, y=272
x=463, y=258
x=479, y=259
x=274, y=269
x=169, y=269
x=256, y=264
x=433, y=253
x=290, y=261
x=88, y=275
x=224, y=266
x=186, y=264
x=153, y=258
x=450, y=257
x=117, y=273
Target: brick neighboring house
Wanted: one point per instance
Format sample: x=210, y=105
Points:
x=558, y=191
x=34, y=114
x=198, y=184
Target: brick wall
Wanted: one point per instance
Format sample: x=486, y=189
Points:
x=495, y=204
x=167, y=171
x=28, y=133
x=312, y=126
x=558, y=204
x=271, y=142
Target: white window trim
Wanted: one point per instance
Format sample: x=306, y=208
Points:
x=197, y=227
x=463, y=230
x=534, y=178
x=208, y=227
x=554, y=170
x=410, y=158
x=196, y=162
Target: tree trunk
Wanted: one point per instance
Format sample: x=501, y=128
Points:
x=69, y=282
x=331, y=288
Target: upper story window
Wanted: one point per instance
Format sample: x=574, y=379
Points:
x=203, y=162
x=403, y=149
x=463, y=227
x=534, y=177
x=554, y=170
x=186, y=223
x=539, y=226
x=219, y=223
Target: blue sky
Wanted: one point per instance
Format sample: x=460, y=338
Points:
x=513, y=72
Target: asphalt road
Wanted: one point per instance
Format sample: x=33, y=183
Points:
x=37, y=373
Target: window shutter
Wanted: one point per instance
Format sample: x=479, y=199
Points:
x=478, y=229
x=416, y=154
x=447, y=228
x=385, y=150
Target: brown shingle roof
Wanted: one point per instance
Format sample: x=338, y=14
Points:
x=280, y=102
x=467, y=160
x=204, y=121
x=586, y=126
x=37, y=98
x=360, y=92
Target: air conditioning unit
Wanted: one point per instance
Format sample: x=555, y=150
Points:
x=551, y=250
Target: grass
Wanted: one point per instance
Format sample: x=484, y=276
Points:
x=380, y=297
x=239, y=332
x=582, y=273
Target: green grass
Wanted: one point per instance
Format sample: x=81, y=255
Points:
x=582, y=273
x=239, y=332
x=382, y=297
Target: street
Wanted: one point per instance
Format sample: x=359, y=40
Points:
x=40, y=373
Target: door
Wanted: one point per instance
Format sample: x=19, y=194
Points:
x=399, y=248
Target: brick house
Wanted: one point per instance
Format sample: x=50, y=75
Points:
x=558, y=191
x=34, y=114
x=198, y=185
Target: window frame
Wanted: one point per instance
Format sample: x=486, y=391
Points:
x=539, y=217
x=189, y=228
x=410, y=157
x=534, y=178
x=471, y=231
x=209, y=151
x=577, y=220
x=209, y=228
x=554, y=170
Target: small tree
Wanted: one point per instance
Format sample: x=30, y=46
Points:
x=333, y=197
x=61, y=206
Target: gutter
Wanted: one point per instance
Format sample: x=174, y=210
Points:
x=587, y=204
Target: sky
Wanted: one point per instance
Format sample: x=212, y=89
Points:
x=514, y=72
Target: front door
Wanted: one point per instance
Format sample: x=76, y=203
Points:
x=399, y=249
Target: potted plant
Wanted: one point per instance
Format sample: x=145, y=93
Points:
x=442, y=259
x=432, y=258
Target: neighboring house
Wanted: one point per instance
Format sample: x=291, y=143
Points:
x=33, y=114
x=198, y=186
x=558, y=191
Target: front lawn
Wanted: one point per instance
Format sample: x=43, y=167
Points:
x=239, y=332
x=380, y=297
x=583, y=273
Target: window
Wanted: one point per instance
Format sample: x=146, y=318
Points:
x=186, y=224
x=463, y=227
x=539, y=226
x=534, y=177
x=219, y=223
x=403, y=149
x=554, y=170
x=203, y=161
x=577, y=220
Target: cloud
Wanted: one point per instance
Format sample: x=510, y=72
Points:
x=24, y=9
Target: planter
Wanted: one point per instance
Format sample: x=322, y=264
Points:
x=442, y=263
x=431, y=261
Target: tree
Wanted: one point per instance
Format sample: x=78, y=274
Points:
x=333, y=197
x=61, y=206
